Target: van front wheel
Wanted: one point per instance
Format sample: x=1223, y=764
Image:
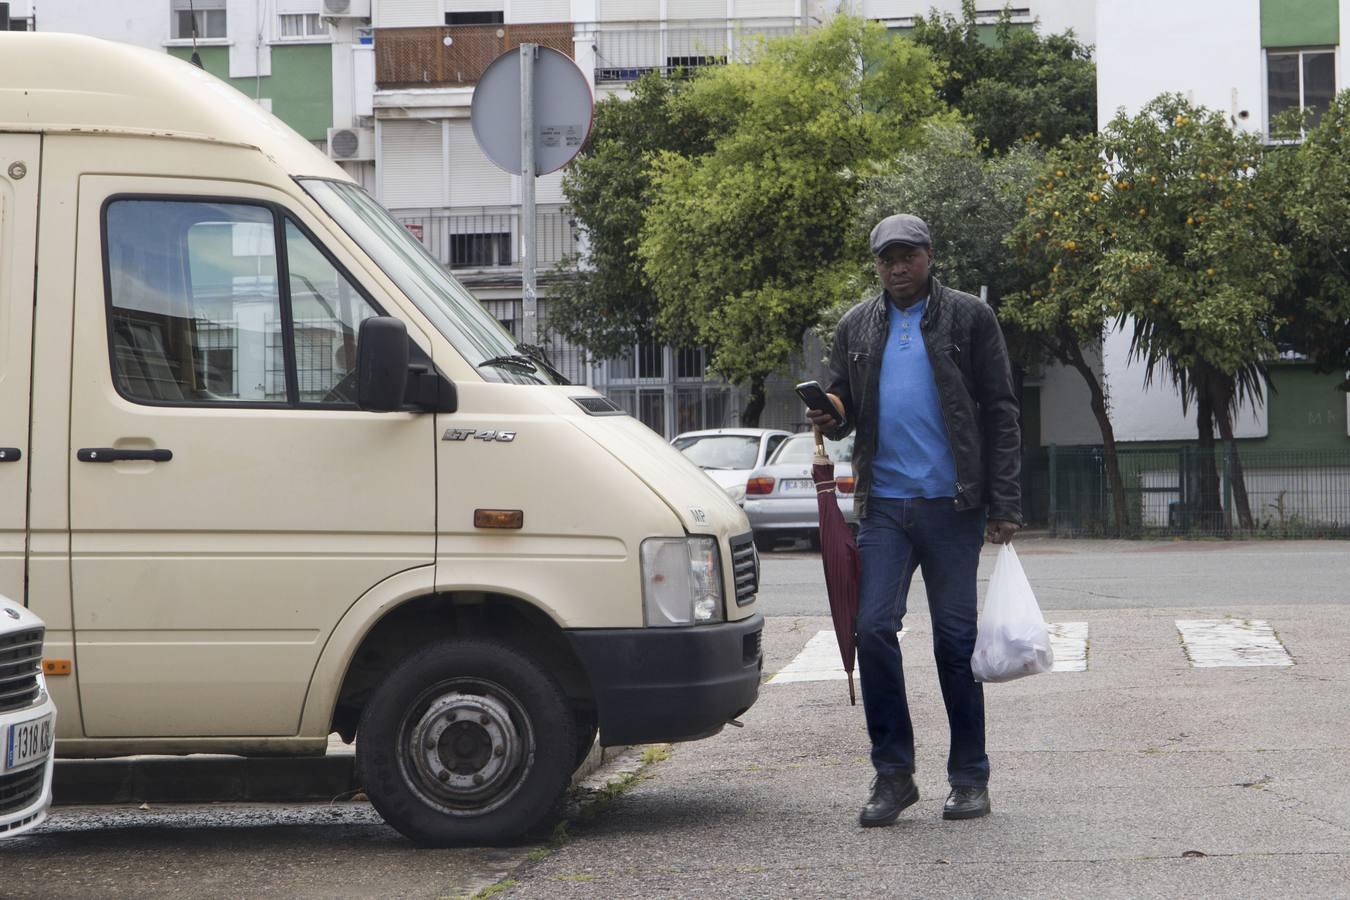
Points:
x=469, y=740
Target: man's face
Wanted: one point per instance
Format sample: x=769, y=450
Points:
x=903, y=269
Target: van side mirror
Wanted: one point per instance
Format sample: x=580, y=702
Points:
x=381, y=364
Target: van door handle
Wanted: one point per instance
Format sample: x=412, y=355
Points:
x=10, y=454
x=113, y=454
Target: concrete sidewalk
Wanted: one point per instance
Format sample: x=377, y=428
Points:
x=1142, y=776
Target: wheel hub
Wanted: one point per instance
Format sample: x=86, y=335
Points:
x=465, y=747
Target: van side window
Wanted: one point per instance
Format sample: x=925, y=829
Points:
x=203, y=312
x=328, y=313
x=196, y=314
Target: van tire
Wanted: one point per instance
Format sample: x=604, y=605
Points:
x=467, y=741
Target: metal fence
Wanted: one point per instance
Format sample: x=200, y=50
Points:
x=1185, y=491
x=488, y=238
x=624, y=51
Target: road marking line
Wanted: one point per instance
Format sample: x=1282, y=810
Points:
x=1069, y=641
x=818, y=661
x=1210, y=643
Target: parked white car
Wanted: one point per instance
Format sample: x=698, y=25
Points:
x=27, y=722
x=780, y=497
x=728, y=455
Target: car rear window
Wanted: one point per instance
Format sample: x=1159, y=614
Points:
x=720, y=451
x=802, y=447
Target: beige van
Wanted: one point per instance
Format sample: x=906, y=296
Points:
x=268, y=472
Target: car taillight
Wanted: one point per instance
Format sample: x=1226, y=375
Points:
x=845, y=484
x=759, y=486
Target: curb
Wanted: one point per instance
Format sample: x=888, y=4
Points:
x=225, y=779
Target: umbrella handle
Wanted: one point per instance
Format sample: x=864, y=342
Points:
x=820, y=441
x=852, y=697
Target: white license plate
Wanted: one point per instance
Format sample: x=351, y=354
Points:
x=28, y=742
x=797, y=484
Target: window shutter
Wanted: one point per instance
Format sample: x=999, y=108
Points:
x=410, y=157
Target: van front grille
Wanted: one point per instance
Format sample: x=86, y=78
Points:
x=19, y=790
x=745, y=568
x=20, y=663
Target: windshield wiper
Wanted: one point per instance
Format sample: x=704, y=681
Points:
x=512, y=361
x=537, y=355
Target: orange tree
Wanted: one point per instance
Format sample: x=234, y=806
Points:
x=1313, y=182
x=1165, y=221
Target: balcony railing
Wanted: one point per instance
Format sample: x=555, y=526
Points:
x=624, y=51
x=456, y=54
x=459, y=54
x=490, y=238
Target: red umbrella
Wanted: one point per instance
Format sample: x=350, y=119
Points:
x=839, y=553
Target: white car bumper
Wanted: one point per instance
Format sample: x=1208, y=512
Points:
x=27, y=737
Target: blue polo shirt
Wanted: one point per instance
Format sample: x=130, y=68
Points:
x=914, y=456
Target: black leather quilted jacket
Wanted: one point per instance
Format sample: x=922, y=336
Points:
x=974, y=382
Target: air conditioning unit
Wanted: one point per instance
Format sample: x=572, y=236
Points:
x=347, y=9
x=351, y=144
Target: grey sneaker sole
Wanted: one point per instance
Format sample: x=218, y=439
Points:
x=905, y=803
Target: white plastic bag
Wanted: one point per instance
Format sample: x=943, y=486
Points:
x=1013, y=640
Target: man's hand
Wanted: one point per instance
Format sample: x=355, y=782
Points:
x=1001, y=531
x=824, y=420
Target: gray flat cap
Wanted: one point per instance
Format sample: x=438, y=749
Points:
x=901, y=229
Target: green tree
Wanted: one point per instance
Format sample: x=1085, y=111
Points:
x=743, y=245
x=604, y=301
x=1167, y=220
x=971, y=205
x=1061, y=308
x=1313, y=181
x=1010, y=80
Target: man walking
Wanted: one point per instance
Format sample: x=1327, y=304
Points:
x=921, y=372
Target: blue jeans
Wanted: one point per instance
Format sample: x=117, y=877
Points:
x=897, y=537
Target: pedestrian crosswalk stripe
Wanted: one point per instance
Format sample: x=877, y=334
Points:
x=818, y=661
x=1069, y=641
x=1211, y=643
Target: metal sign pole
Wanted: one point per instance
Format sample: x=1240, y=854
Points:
x=529, y=325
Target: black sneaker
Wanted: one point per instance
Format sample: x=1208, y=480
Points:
x=890, y=795
x=966, y=802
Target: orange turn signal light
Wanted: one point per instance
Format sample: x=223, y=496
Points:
x=56, y=667
x=845, y=484
x=498, y=518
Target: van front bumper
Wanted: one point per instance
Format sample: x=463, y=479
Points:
x=670, y=684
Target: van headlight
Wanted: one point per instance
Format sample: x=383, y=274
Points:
x=681, y=581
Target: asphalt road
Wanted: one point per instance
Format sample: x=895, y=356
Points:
x=1142, y=776
x=1118, y=574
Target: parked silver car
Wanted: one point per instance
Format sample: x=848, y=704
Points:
x=780, y=497
x=729, y=455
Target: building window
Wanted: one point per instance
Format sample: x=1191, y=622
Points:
x=478, y=251
x=484, y=17
x=302, y=25
x=209, y=16
x=1298, y=80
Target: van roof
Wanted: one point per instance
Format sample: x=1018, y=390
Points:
x=51, y=82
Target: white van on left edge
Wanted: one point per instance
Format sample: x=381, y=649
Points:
x=27, y=722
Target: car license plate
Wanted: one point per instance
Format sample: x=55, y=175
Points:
x=797, y=484
x=28, y=742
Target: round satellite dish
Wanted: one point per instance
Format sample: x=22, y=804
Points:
x=563, y=109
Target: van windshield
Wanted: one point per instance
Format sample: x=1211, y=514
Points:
x=478, y=337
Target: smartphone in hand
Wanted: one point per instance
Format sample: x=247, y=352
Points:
x=814, y=396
